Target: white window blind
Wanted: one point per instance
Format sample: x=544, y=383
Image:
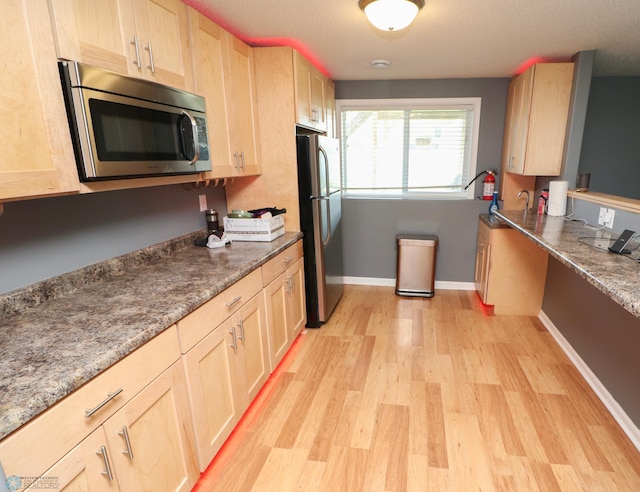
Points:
x=409, y=148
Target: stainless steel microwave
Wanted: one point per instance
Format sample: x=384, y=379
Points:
x=123, y=127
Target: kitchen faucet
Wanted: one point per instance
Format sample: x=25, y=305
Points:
x=527, y=198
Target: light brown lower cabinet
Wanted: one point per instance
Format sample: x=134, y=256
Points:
x=151, y=438
x=146, y=445
x=158, y=416
x=510, y=271
x=87, y=467
x=214, y=400
x=225, y=372
x=286, y=313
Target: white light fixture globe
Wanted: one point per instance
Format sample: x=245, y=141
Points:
x=391, y=15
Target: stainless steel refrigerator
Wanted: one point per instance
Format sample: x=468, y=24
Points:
x=320, y=198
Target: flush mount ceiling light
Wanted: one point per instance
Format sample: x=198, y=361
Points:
x=391, y=15
x=380, y=63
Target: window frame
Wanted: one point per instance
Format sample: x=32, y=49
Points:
x=414, y=104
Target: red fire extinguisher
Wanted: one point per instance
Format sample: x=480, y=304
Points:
x=488, y=186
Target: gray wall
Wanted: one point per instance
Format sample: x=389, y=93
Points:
x=605, y=335
x=611, y=142
x=46, y=237
x=370, y=225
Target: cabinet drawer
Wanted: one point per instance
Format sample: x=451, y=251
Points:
x=280, y=263
x=39, y=444
x=198, y=324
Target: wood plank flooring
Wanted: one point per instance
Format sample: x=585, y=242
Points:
x=409, y=394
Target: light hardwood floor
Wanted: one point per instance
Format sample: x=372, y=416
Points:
x=398, y=394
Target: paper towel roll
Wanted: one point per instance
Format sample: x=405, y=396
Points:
x=558, y=198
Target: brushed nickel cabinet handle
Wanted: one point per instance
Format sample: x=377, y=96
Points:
x=233, y=345
x=241, y=326
x=151, y=64
x=137, y=46
x=233, y=301
x=288, y=259
x=125, y=434
x=103, y=452
x=110, y=396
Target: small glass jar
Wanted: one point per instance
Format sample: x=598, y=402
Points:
x=212, y=220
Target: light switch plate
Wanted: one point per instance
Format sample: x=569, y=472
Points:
x=610, y=215
x=203, y=202
x=606, y=216
x=602, y=215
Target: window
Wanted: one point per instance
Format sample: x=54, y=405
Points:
x=413, y=148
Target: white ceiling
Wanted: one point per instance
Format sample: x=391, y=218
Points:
x=449, y=38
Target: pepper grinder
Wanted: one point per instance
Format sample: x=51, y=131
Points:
x=212, y=221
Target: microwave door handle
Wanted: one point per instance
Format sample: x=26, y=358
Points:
x=194, y=136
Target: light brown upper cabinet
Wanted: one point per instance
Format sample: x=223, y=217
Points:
x=223, y=69
x=330, y=108
x=36, y=157
x=242, y=117
x=536, y=121
x=310, y=90
x=141, y=38
x=278, y=89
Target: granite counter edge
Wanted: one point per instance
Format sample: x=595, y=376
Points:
x=633, y=308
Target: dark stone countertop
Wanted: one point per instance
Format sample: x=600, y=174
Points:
x=60, y=333
x=584, y=250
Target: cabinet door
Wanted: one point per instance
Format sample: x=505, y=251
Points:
x=302, y=75
x=151, y=439
x=318, y=83
x=330, y=108
x=97, y=33
x=163, y=36
x=213, y=380
x=252, y=354
x=241, y=107
x=277, y=294
x=297, y=302
x=310, y=94
x=548, y=114
x=36, y=157
x=207, y=41
x=87, y=467
x=523, y=94
x=482, y=262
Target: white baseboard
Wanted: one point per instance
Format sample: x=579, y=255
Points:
x=618, y=413
x=379, y=282
x=391, y=282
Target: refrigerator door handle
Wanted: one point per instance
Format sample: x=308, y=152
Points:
x=318, y=202
x=325, y=161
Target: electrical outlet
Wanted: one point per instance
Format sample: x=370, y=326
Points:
x=203, y=202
